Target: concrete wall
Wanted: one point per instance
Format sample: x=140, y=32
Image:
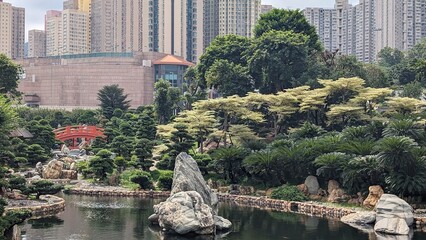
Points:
x=76, y=82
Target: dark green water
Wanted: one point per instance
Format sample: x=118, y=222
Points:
x=109, y=218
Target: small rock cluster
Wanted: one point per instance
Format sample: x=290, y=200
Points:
x=192, y=206
x=64, y=168
x=334, y=193
x=391, y=215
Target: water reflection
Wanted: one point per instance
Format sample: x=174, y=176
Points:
x=46, y=222
x=108, y=218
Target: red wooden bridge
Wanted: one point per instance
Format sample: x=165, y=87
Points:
x=78, y=134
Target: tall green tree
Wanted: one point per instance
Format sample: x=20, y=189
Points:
x=231, y=47
x=143, y=151
x=193, y=89
x=288, y=20
x=10, y=73
x=101, y=164
x=277, y=59
x=112, y=97
x=229, y=78
x=389, y=57
x=146, y=126
x=167, y=99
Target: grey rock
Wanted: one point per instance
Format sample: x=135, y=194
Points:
x=391, y=206
x=185, y=212
x=187, y=177
x=73, y=166
x=396, y=226
x=222, y=224
x=153, y=218
x=312, y=184
x=39, y=168
x=16, y=232
x=360, y=218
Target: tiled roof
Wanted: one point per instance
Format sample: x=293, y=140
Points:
x=173, y=60
x=21, y=132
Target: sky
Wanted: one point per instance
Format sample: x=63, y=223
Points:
x=35, y=9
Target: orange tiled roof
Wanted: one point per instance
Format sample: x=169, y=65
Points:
x=173, y=60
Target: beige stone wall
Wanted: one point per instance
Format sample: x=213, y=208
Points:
x=76, y=82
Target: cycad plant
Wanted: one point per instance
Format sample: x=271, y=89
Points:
x=228, y=161
x=404, y=127
x=264, y=166
x=362, y=172
x=396, y=153
x=331, y=165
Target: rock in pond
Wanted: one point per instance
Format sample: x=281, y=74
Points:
x=192, y=206
x=391, y=206
x=360, y=218
x=396, y=226
x=185, y=212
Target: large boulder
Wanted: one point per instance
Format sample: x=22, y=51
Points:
x=185, y=212
x=53, y=170
x=391, y=206
x=395, y=226
x=374, y=194
x=187, y=177
x=360, y=218
x=192, y=206
x=312, y=184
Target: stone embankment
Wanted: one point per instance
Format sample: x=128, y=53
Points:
x=49, y=205
x=118, y=192
x=308, y=208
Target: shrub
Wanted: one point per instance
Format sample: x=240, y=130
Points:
x=165, y=180
x=18, y=182
x=43, y=187
x=143, y=179
x=288, y=193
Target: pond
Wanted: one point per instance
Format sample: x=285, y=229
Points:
x=111, y=218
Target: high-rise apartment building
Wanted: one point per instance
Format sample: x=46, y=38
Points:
x=365, y=31
x=180, y=28
x=12, y=29
x=222, y=17
x=324, y=22
x=414, y=19
x=67, y=32
x=124, y=25
x=36, y=43
x=173, y=27
x=400, y=23
x=389, y=24
x=75, y=32
x=18, y=32
x=366, y=28
x=82, y=5
x=6, y=28
x=265, y=8
x=53, y=29
x=70, y=4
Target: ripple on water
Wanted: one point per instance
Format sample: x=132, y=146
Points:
x=103, y=205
